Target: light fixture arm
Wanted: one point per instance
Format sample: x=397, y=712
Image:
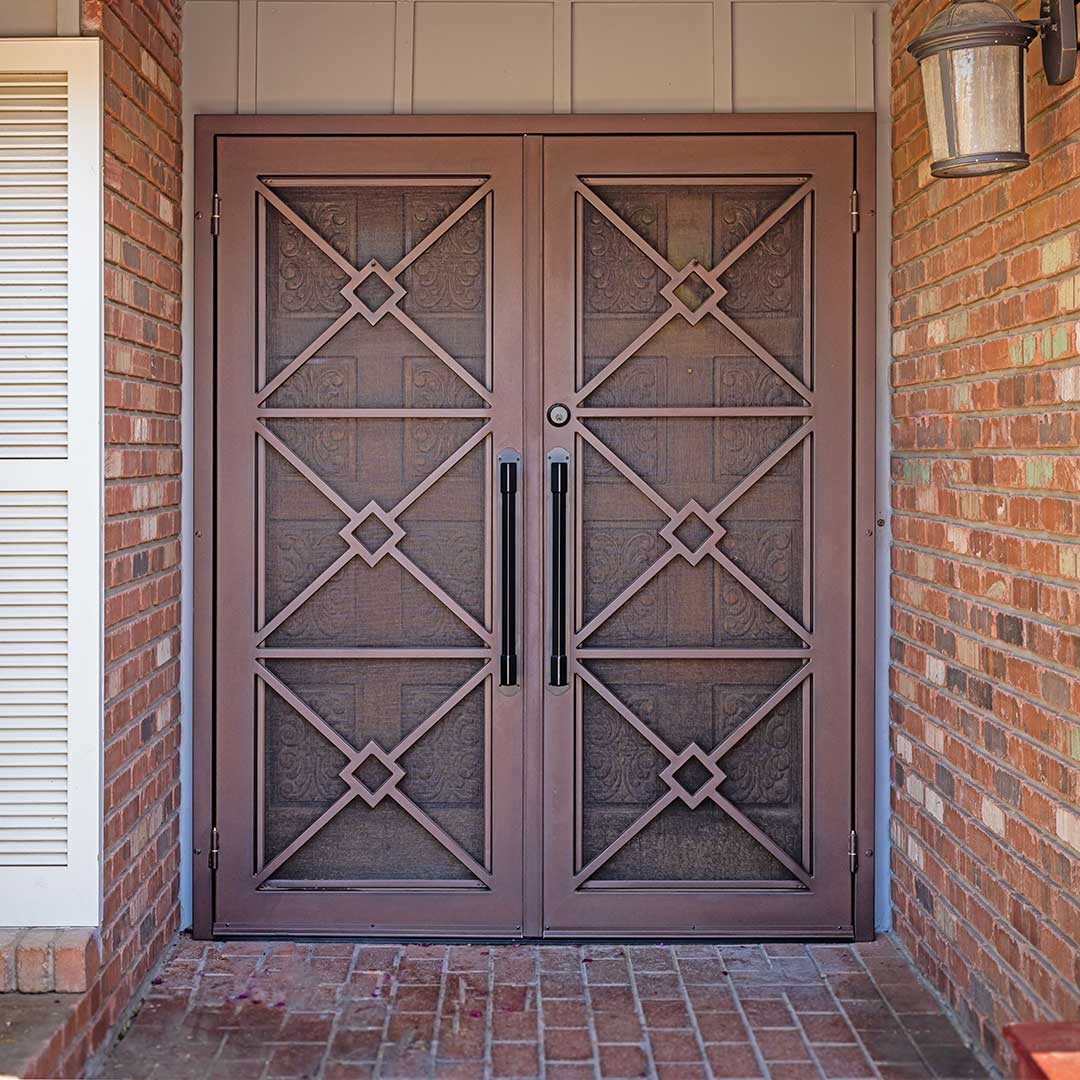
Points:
x=1057, y=28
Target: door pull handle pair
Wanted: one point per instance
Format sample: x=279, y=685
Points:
x=509, y=465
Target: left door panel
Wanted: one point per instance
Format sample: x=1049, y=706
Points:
x=368, y=766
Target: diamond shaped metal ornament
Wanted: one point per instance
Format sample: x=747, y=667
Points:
x=701, y=275
x=395, y=294
x=695, y=798
x=692, y=514
x=393, y=770
x=364, y=517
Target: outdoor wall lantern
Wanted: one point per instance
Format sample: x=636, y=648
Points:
x=971, y=57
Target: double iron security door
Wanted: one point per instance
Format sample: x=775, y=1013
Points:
x=533, y=545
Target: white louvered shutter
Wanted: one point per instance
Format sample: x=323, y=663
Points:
x=51, y=417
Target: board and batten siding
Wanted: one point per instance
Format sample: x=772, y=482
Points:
x=544, y=56
x=51, y=482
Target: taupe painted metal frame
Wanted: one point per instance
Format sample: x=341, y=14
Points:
x=486, y=896
x=575, y=901
x=857, y=134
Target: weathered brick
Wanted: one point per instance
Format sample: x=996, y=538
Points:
x=76, y=960
x=33, y=962
x=8, y=981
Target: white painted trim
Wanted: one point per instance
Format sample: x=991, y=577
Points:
x=882, y=806
x=71, y=895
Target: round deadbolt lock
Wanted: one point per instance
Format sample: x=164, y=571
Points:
x=559, y=415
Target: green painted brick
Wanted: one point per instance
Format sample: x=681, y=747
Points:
x=1038, y=471
x=1056, y=256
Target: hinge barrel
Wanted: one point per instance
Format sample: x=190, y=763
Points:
x=215, y=215
x=215, y=848
x=855, y=211
x=853, y=851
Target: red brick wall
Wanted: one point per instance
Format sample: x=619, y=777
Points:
x=985, y=702
x=142, y=504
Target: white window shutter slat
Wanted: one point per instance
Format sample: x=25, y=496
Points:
x=51, y=417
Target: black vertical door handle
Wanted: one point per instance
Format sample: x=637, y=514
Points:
x=508, y=462
x=560, y=481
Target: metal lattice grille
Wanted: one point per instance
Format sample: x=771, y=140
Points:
x=375, y=635
x=694, y=442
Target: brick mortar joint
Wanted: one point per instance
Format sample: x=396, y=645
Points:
x=1022, y=248
x=146, y=578
x=170, y=692
x=989, y=375
x=144, y=313
x=1071, y=585
x=960, y=842
x=1015, y=651
x=977, y=453
x=135, y=549
x=134, y=32
x=981, y=601
x=941, y=897
x=1019, y=412
x=112, y=229
x=120, y=517
x=963, y=739
x=167, y=107
x=971, y=1039
x=990, y=338
x=950, y=871
x=966, y=705
x=119, y=1028
x=149, y=846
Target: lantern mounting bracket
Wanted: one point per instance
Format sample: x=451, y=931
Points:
x=1057, y=27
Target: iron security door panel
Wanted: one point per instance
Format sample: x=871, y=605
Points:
x=369, y=344
x=698, y=720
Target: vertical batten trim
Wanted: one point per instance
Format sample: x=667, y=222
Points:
x=404, y=53
x=247, y=57
x=863, y=61
x=562, y=89
x=723, y=60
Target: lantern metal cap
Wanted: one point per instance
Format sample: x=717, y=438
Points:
x=967, y=24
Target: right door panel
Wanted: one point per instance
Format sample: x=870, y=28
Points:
x=698, y=325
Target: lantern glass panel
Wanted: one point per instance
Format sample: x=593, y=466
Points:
x=935, y=108
x=987, y=96
x=974, y=105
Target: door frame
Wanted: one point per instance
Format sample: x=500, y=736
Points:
x=859, y=126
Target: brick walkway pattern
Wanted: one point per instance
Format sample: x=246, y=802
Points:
x=335, y=1011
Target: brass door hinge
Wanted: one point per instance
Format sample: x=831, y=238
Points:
x=215, y=216
x=855, y=211
x=853, y=851
x=215, y=848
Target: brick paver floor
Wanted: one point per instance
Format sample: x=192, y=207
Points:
x=337, y=1010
